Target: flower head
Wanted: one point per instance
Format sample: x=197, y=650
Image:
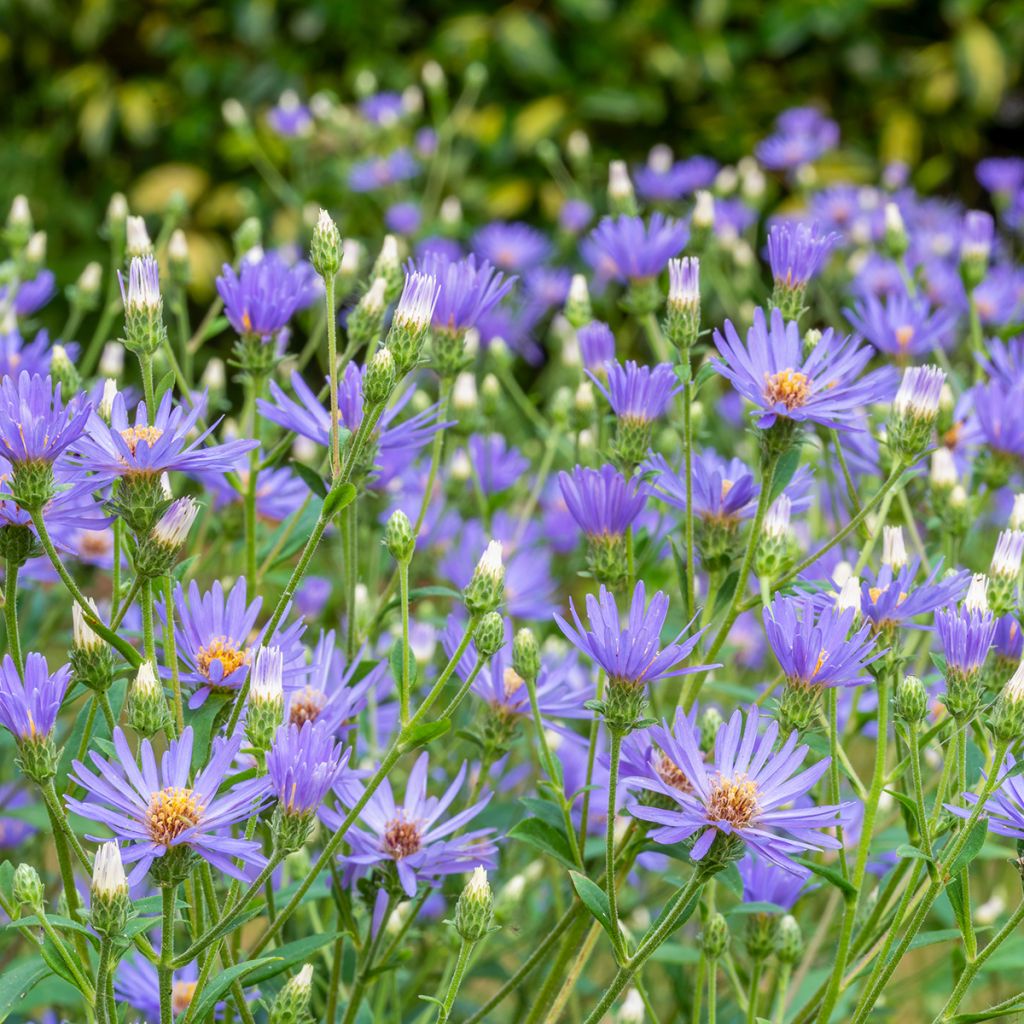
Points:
x=765, y=882
x=303, y=765
x=903, y=326
x=511, y=247
x=467, y=289
x=35, y=425
x=629, y=250
x=262, y=297
x=29, y=706
x=597, y=344
x=797, y=252
x=602, y=501
x=638, y=394
x=157, y=811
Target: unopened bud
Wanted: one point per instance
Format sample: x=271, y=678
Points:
x=910, y=702
x=487, y=586
x=526, y=654
x=27, y=886
x=291, y=1006
x=789, y=942
x=109, y=903
x=399, y=538
x=475, y=908
x=489, y=636
x=326, y=248
x=714, y=939
x=147, y=707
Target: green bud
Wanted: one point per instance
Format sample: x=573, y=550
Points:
x=365, y=320
x=247, y=236
x=1007, y=715
x=63, y=371
x=895, y=241
x=379, y=378
x=32, y=484
x=18, y=544
x=489, y=636
x=578, y=310
x=475, y=908
x=291, y=831
x=709, y=723
x=448, y=351
x=389, y=267
x=27, y=886
x=109, y=901
x=798, y=706
x=147, y=707
x=525, y=654
x=485, y=590
x=910, y=701
x=789, y=942
x=760, y=935
x=38, y=758
x=399, y=538
x=624, y=706
x=621, y=196
x=325, y=252
x=292, y=1003
x=18, y=228
x=714, y=938
x=92, y=660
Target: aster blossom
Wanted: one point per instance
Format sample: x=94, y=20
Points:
x=628, y=249
x=638, y=394
x=746, y=794
x=29, y=706
x=511, y=246
x=263, y=295
x=161, y=812
x=467, y=289
x=303, y=765
x=902, y=326
x=35, y=425
x=602, y=501
x=797, y=252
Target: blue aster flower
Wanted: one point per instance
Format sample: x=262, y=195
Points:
x=903, y=326
x=412, y=836
x=643, y=753
x=818, y=647
x=627, y=249
x=638, y=394
x=376, y=173
x=32, y=295
x=995, y=419
x=746, y=793
x=216, y=639
x=966, y=636
x=18, y=356
x=602, y=501
x=1004, y=360
x=279, y=491
x=155, y=811
x=303, y=765
x=290, y=117
x=892, y=598
x=1001, y=175
x=35, y=425
x=468, y=289
x=797, y=252
x=771, y=371
x=597, y=345
x=29, y=706
x=765, y=882
x=575, y=215
x=403, y=218
x=1004, y=808
x=496, y=464
x=633, y=654
x=263, y=295
x=137, y=983
x=664, y=180
x=802, y=134
x=148, y=448
x=382, y=108
x=511, y=246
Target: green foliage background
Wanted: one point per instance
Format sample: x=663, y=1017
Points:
x=102, y=95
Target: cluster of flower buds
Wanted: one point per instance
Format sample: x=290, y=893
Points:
x=265, y=708
x=147, y=709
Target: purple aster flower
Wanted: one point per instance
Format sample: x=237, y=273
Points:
x=160, y=811
x=33, y=294
x=511, y=246
x=398, y=441
x=262, y=297
x=332, y=696
x=1005, y=807
x=72, y=507
x=29, y=707
x=18, y=356
x=1008, y=640
x=279, y=491
x=818, y=648
x=802, y=134
x=631, y=655
x=772, y=371
x=732, y=218
x=638, y=394
x=723, y=490
x=597, y=345
x=797, y=252
x=602, y=501
x=291, y=117
x=1001, y=175
x=562, y=688
x=1004, y=360
x=626, y=249
x=145, y=448
x=468, y=289
x=663, y=180
x=14, y=831
x=303, y=765
x=746, y=794
x=995, y=419
x=217, y=639
x=998, y=298
x=412, y=836
x=892, y=599
x=448, y=248
x=547, y=288
x=382, y=108
x=35, y=425
x=643, y=753
x=765, y=882
x=496, y=464
x=903, y=326
x=979, y=231
x=575, y=215
x=966, y=636
x=403, y=218
x=379, y=172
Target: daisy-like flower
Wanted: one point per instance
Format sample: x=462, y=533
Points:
x=663, y=180
x=765, y=882
x=379, y=172
x=263, y=295
x=797, y=252
x=892, y=598
x=136, y=983
x=467, y=289
x=638, y=394
x=512, y=247
x=35, y=425
x=995, y=422
x=627, y=249
x=772, y=372
x=303, y=765
x=217, y=639
x=746, y=794
x=597, y=345
x=966, y=634
x=29, y=706
x=290, y=117
x=147, y=448
x=1005, y=807
x=162, y=816
x=411, y=835
x=902, y=327
x=802, y=134
x=643, y=752
x=815, y=649
x=398, y=441
x=496, y=464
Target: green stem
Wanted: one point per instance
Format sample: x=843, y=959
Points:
x=691, y=568
x=148, y=640
x=436, y=451
x=11, y=615
x=752, y=991
x=74, y=967
x=785, y=973
x=832, y=700
x=403, y=589
x=444, y=1011
x=164, y=972
x=171, y=651
x=102, y=974
x=967, y=923
x=615, y=749
x=332, y=364
x=368, y=958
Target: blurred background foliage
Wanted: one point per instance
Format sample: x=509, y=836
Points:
x=103, y=95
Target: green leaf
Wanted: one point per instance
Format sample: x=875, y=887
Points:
x=202, y=722
x=906, y=851
x=423, y=733
x=784, y=470
x=289, y=955
x=703, y=375
x=165, y=385
x=546, y=810
x=17, y=981
x=724, y=596
x=395, y=661
x=595, y=899
x=972, y=847
x=939, y=935
x=542, y=836
x=830, y=875
x=222, y=980
x=311, y=477
x=339, y=498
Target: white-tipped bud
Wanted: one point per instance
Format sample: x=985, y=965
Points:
x=976, y=601
x=1007, y=556
x=943, y=475
x=139, y=243
x=776, y=522
x=894, y=219
x=35, y=251
x=145, y=681
x=388, y=260
x=215, y=375
x=416, y=305
x=112, y=360
x=727, y=180
x=108, y=877
x=352, y=253
x=177, y=247
x=1017, y=513
x=894, y=549
x=703, y=217
x=464, y=393
x=620, y=185
x=1013, y=691
x=433, y=75
x=584, y=399
x=374, y=299
x=267, y=685
x=490, y=563
x=577, y=145
x=20, y=215
x=660, y=158
x=90, y=279
x=172, y=529
x=841, y=573
x=958, y=497
x=84, y=638
x=849, y=596
x=233, y=113
x=450, y=213
x=165, y=486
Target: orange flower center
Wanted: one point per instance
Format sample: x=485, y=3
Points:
x=133, y=435
x=181, y=995
x=904, y=336
x=790, y=387
x=171, y=812
x=306, y=706
x=733, y=801
x=402, y=838
x=672, y=775
x=224, y=650
x=513, y=682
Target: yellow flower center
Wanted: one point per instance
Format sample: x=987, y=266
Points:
x=513, y=682
x=224, y=650
x=306, y=706
x=133, y=435
x=171, y=812
x=402, y=838
x=790, y=387
x=904, y=336
x=181, y=995
x=672, y=775
x=733, y=801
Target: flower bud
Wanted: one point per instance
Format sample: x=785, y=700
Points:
x=578, y=310
x=248, y=236
x=475, y=908
x=156, y=553
x=1004, y=570
x=1007, y=714
x=292, y=1003
x=112, y=359
x=92, y=660
x=27, y=886
x=143, y=306
x=489, y=635
x=18, y=228
x=789, y=942
x=325, y=252
x=147, y=708
x=703, y=219
x=389, y=267
x=138, y=241
x=682, y=311
x=976, y=247
x=895, y=241
x=714, y=939
x=708, y=724
x=399, y=538
x=526, y=654
x=109, y=902
x=910, y=701
x=365, y=320
x=487, y=586
x=894, y=548
x=266, y=698
x=621, y=196
x=379, y=378
x=914, y=411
